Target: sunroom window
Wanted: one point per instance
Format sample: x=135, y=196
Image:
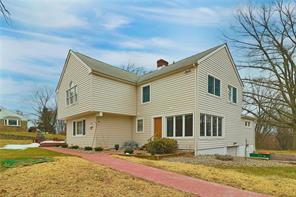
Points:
x=210, y=126
x=179, y=125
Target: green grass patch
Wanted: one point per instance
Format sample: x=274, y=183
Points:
x=13, y=158
x=11, y=163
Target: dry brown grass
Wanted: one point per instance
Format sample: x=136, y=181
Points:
x=71, y=176
x=3, y=142
x=275, y=185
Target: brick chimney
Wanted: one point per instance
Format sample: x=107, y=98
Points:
x=161, y=63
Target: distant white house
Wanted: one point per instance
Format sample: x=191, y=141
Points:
x=11, y=121
x=197, y=101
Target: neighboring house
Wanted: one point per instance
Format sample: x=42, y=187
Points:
x=11, y=121
x=197, y=101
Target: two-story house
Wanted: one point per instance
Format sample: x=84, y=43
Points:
x=197, y=101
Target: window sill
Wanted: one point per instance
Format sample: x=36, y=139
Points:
x=145, y=102
x=211, y=138
x=213, y=95
x=12, y=125
x=78, y=135
x=231, y=103
x=139, y=132
x=188, y=137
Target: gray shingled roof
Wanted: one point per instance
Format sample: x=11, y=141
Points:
x=131, y=77
x=107, y=69
x=4, y=113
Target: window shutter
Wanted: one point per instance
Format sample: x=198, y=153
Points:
x=83, y=127
x=74, y=128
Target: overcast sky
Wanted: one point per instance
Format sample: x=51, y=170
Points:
x=34, y=45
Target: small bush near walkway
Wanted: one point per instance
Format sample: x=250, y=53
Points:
x=128, y=150
x=99, y=149
x=162, y=146
x=88, y=148
x=74, y=147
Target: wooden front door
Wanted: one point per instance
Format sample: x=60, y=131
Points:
x=158, y=127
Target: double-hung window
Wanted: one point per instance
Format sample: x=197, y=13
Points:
x=210, y=126
x=71, y=94
x=146, y=94
x=140, y=125
x=179, y=125
x=214, y=85
x=79, y=127
x=232, y=94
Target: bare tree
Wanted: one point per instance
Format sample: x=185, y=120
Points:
x=45, y=109
x=266, y=36
x=5, y=13
x=134, y=69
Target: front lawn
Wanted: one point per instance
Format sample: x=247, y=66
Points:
x=73, y=176
x=263, y=177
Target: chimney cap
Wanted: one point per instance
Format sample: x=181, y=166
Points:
x=162, y=63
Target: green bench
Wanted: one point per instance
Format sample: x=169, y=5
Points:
x=260, y=155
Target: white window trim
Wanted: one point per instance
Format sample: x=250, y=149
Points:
x=231, y=101
x=213, y=137
x=78, y=135
x=183, y=126
x=221, y=85
x=66, y=97
x=6, y=122
x=149, y=93
x=137, y=125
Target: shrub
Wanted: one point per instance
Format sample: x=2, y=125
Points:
x=64, y=146
x=74, y=147
x=88, y=148
x=116, y=146
x=130, y=144
x=99, y=149
x=32, y=129
x=224, y=157
x=40, y=137
x=129, y=150
x=162, y=146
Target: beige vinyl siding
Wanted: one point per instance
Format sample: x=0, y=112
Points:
x=112, y=96
x=85, y=140
x=219, y=65
x=76, y=72
x=113, y=129
x=171, y=95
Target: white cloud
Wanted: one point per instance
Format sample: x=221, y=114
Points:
x=112, y=22
x=155, y=42
x=199, y=16
x=47, y=13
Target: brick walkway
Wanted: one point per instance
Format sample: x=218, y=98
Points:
x=170, y=179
